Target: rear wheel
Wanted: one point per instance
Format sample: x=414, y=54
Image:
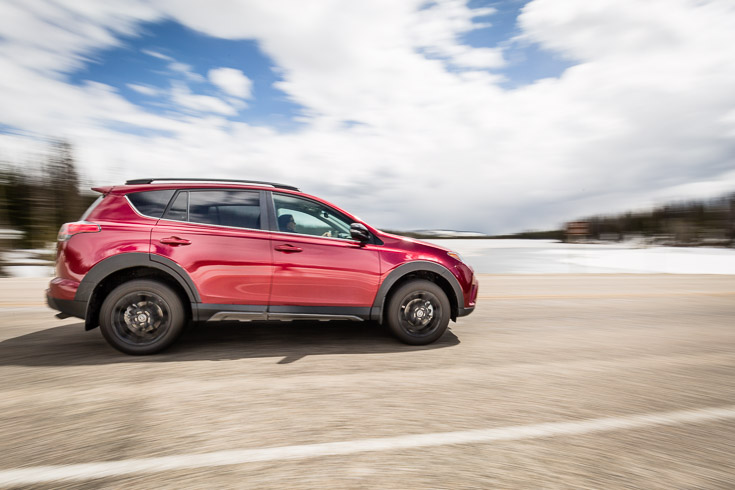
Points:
x=418, y=312
x=142, y=317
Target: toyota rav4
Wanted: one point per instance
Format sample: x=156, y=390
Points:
x=152, y=255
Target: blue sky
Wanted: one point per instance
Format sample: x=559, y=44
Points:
x=526, y=61
x=135, y=62
x=411, y=114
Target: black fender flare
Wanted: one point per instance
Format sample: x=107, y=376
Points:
x=402, y=270
x=134, y=259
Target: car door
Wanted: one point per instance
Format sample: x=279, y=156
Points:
x=316, y=262
x=217, y=236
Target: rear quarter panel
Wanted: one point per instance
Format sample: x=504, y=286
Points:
x=122, y=231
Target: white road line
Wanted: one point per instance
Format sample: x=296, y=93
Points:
x=108, y=469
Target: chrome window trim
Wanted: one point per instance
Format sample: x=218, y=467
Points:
x=132, y=206
x=286, y=233
x=215, y=226
x=258, y=229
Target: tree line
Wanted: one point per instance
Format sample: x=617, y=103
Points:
x=693, y=222
x=40, y=196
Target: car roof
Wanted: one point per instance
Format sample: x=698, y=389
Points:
x=197, y=179
x=139, y=185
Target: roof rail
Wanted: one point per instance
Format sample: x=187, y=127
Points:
x=256, y=182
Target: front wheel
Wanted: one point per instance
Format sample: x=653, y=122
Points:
x=141, y=317
x=418, y=312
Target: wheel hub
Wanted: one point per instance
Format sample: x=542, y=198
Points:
x=419, y=312
x=143, y=317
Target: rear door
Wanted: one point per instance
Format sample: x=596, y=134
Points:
x=218, y=236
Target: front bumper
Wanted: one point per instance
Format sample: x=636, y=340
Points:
x=469, y=307
x=465, y=310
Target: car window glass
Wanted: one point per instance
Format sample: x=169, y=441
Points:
x=178, y=211
x=151, y=203
x=239, y=209
x=310, y=217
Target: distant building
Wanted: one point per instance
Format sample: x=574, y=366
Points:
x=577, y=231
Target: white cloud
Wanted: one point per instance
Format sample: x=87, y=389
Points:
x=186, y=70
x=144, y=89
x=645, y=113
x=156, y=54
x=232, y=82
x=436, y=30
x=36, y=33
x=181, y=96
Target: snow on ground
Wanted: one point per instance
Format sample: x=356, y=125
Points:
x=29, y=270
x=665, y=259
x=550, y=257
x=26, y=257
x=28, y=262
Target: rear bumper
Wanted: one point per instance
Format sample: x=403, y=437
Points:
x=68, y=307
x=65, y=289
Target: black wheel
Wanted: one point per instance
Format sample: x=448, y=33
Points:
x=141, y=317
x=418, y=312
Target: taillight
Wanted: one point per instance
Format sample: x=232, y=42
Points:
x=68, y=230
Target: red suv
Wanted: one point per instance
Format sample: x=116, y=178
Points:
x=154, y=254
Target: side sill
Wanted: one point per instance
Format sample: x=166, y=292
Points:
x=238, y=316
x=287, y=317
x=252, y=313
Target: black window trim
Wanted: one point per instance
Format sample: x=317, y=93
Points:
x=171, y=203
x=262, y=203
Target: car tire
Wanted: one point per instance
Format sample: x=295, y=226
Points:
x=142, y=317
x=418, y=312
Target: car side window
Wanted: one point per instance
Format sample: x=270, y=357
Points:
x=307, y=217
x=179, y=209
x=151, y=203
x=239, y=209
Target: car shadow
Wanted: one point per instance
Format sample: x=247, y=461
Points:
x=70, y=345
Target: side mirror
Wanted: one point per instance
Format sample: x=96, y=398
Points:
x=359, y=232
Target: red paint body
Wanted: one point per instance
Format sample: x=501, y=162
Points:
x=327, y=272
x=229, y=266
x=241, y=266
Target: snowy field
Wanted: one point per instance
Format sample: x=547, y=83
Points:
x=550, y=257
x=529, y=257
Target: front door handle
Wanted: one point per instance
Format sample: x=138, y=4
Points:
x=289, y=249
x=174, y=240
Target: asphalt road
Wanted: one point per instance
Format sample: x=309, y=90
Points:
x=632, y=378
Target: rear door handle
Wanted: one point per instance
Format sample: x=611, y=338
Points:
x=174, y=240
x=289, y=249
